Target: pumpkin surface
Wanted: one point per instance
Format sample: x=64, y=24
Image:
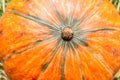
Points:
x=60, y=40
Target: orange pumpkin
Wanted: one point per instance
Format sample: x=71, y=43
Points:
x=60, y=40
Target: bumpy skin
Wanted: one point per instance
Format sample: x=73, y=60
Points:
x=31, y=46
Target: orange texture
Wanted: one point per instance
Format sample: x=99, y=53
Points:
x=31, y=46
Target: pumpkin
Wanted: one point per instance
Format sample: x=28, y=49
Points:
x=60, y=40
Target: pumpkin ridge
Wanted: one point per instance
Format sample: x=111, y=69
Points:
x=38, y=42
x=84, y=32
x=100, y=64
x=35, y=19
x=105, y=53
x=60, y=18
x=75, y=53
x=88, y=14
x=59, y=43
x=66, y=47
x=100, y=61
x=70, y=20
x=102, y=29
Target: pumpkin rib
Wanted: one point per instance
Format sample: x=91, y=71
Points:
x=90, y=13
x=72, y=68
x=83, y=65
x=63, y=60
x=107, y=54
x=32, y=61
x=44, y=67
x=95, y=61
x=21, y=35
x=56, y=75
x=104, y=64
x=60, y=18
x=20, y=51
x=35, y=19
x=101, y=62
x=75, y=53
x=38, y=42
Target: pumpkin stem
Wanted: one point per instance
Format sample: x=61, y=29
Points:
x=67, y=33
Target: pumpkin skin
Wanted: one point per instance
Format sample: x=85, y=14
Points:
x=33, y=47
